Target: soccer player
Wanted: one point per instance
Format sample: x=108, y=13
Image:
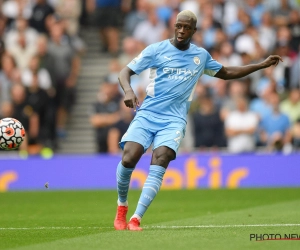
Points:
x=175, y=66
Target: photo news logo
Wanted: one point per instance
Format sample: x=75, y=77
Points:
x=263, y=237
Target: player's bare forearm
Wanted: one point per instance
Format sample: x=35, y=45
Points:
x=130, y=98
x=124, y=79
x=228, y=73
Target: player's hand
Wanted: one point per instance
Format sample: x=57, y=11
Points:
x=272, y=60
x=131, y=100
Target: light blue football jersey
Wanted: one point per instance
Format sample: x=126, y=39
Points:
x=173, y=77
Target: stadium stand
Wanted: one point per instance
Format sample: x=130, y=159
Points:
x=234, y=32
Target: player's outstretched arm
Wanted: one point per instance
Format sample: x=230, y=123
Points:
x=130, y=98
x=228, y=73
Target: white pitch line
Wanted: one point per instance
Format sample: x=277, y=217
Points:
x=48, y=228
x=226, y=226
x=149, y=227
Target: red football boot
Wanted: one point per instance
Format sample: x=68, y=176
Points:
x=134, y=224
x=120, y=220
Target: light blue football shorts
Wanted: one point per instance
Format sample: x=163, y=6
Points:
x=145, y=129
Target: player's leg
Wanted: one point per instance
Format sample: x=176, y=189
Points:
x=134, y=143
x=131, y=155
x=165, y=145
x=160, y=160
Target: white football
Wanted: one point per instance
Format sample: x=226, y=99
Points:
x=12, y=133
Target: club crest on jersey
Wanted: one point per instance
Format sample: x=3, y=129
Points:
x=196, y=60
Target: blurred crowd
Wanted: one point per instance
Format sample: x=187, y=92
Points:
x=40, y=54
x=40, y=58
x=258, y=112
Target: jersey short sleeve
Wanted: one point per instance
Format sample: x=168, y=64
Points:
x=211, y=66
x=144, y=60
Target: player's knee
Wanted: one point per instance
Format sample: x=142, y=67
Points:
x=129, y=159
x=132, y=154
x=162, y=157
x=161, y=160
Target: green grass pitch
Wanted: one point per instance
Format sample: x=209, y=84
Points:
x=185, y=219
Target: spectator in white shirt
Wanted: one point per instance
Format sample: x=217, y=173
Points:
x=15, y=8
x=43, y=76
x=151, y=30
x=22, y=52
x=12, y=36
x=240, y=128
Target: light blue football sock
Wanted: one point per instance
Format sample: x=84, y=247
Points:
x=123, y=181
x=150, y=189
